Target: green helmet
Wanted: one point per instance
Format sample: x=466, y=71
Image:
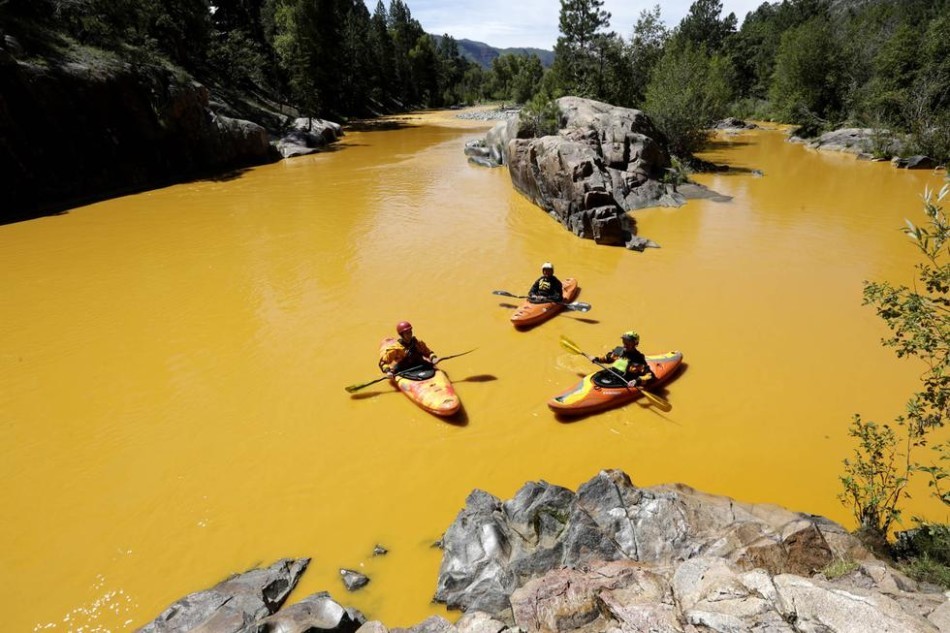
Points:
x=630, y=335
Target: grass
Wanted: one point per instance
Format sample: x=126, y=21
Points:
x=839, y=568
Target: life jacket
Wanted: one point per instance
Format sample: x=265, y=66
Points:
x=622, y=362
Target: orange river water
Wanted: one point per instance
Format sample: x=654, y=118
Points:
x=172, y=363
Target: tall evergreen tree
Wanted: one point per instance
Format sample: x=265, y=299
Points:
x=644, y=52
x=702, y=25
x=382, y=56
x=579, y=49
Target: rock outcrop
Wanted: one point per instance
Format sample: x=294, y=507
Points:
x=249, y=603
x=307, y=136
x=603, y=162
x=668, y=558
x=234, y=603
x=75, y=132
x=615, y=558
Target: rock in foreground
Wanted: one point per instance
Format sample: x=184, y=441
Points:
x=668, y=558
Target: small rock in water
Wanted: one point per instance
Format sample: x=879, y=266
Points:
x=379, y=550
x=353, y=579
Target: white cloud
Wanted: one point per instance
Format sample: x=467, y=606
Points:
x=534, y=23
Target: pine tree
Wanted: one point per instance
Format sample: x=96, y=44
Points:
x=579, y=49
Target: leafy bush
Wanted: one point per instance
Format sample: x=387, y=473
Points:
x=687, y=92
x=919, y=319
x=539, y=117
x=924, y=553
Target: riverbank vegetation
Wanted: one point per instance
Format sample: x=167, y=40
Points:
x=889, y=456
x=819, y=64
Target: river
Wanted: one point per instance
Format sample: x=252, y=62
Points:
x=173, y=363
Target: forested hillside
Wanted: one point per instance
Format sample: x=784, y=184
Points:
x=817, y=63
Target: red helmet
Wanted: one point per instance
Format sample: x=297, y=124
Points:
x=402, y=326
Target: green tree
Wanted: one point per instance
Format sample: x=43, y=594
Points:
x=918, y=317
x=689, y=90
x=702, y=25
x=526, y=82
x=382, y=54
x=405, y=32
x=424, y=70
x=807, y=87
x=645, y=50
x=577, y=65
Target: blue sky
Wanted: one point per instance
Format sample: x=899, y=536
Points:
x=514, y=23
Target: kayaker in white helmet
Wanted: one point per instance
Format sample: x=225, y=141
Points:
x=547, y=288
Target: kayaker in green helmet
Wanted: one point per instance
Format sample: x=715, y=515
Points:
x=406, y=352
x=628, y=361
x=547, y=288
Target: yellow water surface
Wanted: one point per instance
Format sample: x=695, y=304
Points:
x=173, y=363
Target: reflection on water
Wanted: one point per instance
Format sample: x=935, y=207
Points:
x=172, y=364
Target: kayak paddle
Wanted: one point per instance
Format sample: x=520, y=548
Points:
x=575, y=306
x=360, y=385
x=570, y=345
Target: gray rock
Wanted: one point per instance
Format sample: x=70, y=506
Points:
x=232, y=604
x=492, y=548
x=915, y=162
x=353, y=580
x=433, y=624
x=307, y=136
x=603, y=162
x=315, y=613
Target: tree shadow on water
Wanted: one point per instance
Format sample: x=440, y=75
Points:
x=374, y=125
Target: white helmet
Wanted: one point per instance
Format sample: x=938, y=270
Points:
x=547, y=265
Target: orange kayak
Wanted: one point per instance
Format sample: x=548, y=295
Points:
x=429, y=387
x=529, y=314
x=603, y=390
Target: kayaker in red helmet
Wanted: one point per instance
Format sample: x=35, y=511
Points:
x=406, y=352
x=628, y=361
x=547, y=288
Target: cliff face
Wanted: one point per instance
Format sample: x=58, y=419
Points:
x=72, y=133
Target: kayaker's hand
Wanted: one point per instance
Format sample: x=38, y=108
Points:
x=634, y=383
x=434, y=360
x=391, y=373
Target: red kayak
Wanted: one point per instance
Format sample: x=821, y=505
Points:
x=604, y=390
x=529, y=314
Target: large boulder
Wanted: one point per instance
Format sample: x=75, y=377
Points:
x=307, y=136
x=494, y=546
x=603, y=162
x=614, y=557
x=123, y=128
x=233, y=604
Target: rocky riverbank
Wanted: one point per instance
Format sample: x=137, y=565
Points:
x=611, y=557
x=80, y=128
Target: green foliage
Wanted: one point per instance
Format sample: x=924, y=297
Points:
x=644, y=53
x=924, y=553
x=919, y=320
x=539, y=117
x=702, y=25
x=688, y=91
x=677, y=173
x=580, y=50
x=809, y=75
x=875, y=480
x=839, y=568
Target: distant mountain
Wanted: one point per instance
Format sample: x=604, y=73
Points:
x=483, y=54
